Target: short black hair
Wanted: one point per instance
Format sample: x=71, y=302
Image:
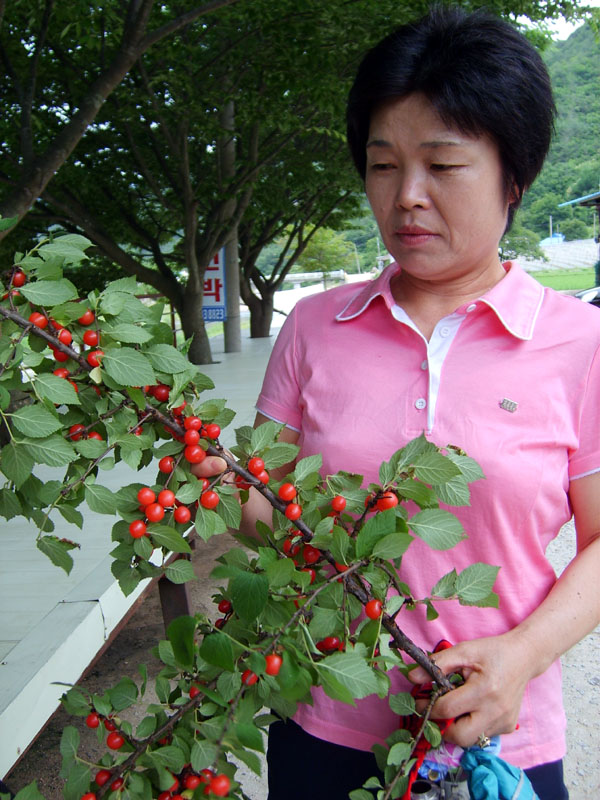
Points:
x=481, y=75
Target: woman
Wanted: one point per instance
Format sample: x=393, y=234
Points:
x=449, y=121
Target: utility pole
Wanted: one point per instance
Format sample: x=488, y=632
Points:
x=231, y=326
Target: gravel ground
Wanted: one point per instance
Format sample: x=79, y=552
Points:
x=135, y=642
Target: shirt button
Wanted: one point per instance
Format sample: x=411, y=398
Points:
x=424, y=364
x=470, y=308
x=420, y=403
x=444, y=331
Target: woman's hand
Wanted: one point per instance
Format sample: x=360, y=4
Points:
x=489, y=701
x=211, y=466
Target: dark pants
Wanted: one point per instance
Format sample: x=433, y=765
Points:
x=302, y=767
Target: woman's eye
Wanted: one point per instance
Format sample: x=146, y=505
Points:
x=444, y=167
x=381, y=166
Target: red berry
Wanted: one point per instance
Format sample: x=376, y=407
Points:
x=192, y=423
x=373, y=609
x=256, y=466
x=154, y=512
x=311, y=554
x=194, y=691
x=88, y=796
x=182, y=514
x=220, y=622
x=287, y=491
x=274, y=663
x=91, y=338
x=192, y=781
x=146, y=496
x=213, y=431
x=37, y=319
x=249, y=678
x=219, y=785
x=65, y=336
x=192, y=436
x=175, y=785
x=95, y=435
x=338, y=503
x=59, y=355
x=194, y=454
x=328, y=643
x=387, y=500
x=311, y=572
x=76, y=432
x=291, y=547
x=74, y=385
x=102, y=777
x=293, y=511
x=92, y=720
x=86, y=318
x=240, y=482
x=166, y=498
x=161, y=392
x=164, y=796
x=263, y=476
x=116, y=784
x=115, y=741
x=166, y=464
x=19, y=278
x=137, y=528
x=110, y=725
x=61, y=372
x=225, y=606
x=209, y=499
x=94, y=358
x=206, y=775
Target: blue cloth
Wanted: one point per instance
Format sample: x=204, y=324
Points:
x=491, y=778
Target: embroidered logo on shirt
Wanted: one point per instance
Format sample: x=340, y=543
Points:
x=509, y=405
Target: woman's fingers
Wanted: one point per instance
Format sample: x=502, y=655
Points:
x=211, y=466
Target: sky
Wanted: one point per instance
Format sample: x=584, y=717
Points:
x=562, y=29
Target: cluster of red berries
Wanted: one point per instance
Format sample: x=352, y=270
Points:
x=226, y=608
x=273, y=665
x=78, y=431
x=114, y=740
x=154, y=507
x=383, y=501
x=90, y=337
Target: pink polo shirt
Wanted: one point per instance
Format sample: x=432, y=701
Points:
x=513, y=378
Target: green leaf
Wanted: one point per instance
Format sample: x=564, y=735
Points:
x=69, y=742
x=56, y=389
x=100, y=499
x=36, y=421
x=360, y=794
x=455, y=492
x=434, y=468
x=128, y=333
x=9, y=504
x=165, y=358
x=57, y=551
x=264, y=435
x=49, y=293
x=124, y=694
x=229, y=510
x=394, y=545
x=250, y=759
x=250, y=736
x=170, y=756
x=203, y=754
x=352, y=672
x=169, y=538
x=280, y=572
x=432, y=734
x=128, y=367
x=305, y=467
x=53, y=451
x=90, y=448
x=399, y=753
x=217, y=649
x=325, y=622
x=78, y=782
x=180, y=571
x=7, y=222
x=71, y=514
x=180, y=633
x=402, y=704
x=208, y=523
x=446, y=586
x=374, y=529
x=279, y=454
x=475, y=583
x=437, y=527
x=469, y=468
x=146, y=728
x=249, y=594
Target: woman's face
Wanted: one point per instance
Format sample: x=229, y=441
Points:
x=437, y=194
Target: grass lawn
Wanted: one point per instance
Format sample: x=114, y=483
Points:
x=566, y=279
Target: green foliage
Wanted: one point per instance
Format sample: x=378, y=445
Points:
x=217, y=676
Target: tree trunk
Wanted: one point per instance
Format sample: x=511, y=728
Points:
x=193, y=325
x=261, y=315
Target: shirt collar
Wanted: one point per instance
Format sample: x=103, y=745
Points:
x=516, y=299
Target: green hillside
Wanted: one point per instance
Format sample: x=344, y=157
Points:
x=573, y=166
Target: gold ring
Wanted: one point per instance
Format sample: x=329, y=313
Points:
x=483, y=741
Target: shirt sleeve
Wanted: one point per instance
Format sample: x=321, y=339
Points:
x=279, y=398
x=586, y=459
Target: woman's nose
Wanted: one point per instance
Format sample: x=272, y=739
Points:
x=411, y=190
